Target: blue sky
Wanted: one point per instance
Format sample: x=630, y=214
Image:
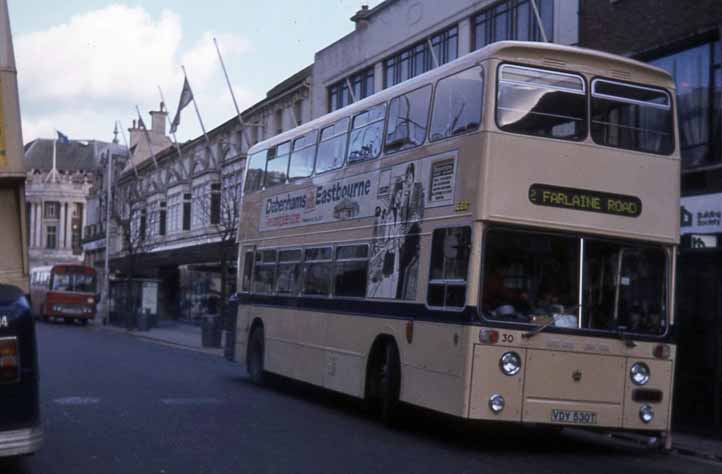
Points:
x=82, y=64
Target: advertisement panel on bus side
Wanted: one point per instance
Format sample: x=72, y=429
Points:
x=428, y=182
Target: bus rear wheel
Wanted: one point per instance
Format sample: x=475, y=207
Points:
x=254, y=364
x=384, y=384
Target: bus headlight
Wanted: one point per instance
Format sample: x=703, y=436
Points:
x=496, y=403
x=646, y=414
x=639, y=373
x=510, y=363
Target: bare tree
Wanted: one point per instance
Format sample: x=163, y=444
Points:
x=134, y=223
x=219, y=206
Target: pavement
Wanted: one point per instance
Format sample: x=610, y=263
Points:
x=174, y=333
x=188, y=336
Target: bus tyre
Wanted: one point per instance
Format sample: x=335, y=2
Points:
x=254, y=364
x=384, y=381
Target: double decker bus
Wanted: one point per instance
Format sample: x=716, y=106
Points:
x=494, y=239
x=20, y=427
x=65, y=291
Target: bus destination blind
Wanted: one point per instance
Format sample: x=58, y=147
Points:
x=585, y=200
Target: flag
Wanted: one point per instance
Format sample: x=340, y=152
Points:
x=185, y=98
x=62, y=138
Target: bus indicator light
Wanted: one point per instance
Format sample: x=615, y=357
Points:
x=488, y=336
x=662, y=351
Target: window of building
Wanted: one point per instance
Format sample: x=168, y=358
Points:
x=187, y=207
x=362, y=84
x=162, y=218
x=143, y=225
x=200, y=199
x=264, y=271
x=52, y=210
x=278, y=117
x=632, y=117
x=51, y=234
x=277, y=165
x=540, y=102
x=215, y=203
x=368, y=126
x=697, y=73
x=332, y=147
x=450, y=252
x=303, y=156
x=513, y=20
x=298, y=112
x=458, y=104
x=408, y=118
x=317, y=270
x=418, y=58
x=76, y=237
x=175, y=211
x=351, y=270
x=256, y=171
x=288, y=281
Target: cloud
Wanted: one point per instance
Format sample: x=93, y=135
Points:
x=83, y=75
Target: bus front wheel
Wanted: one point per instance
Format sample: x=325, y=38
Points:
x=254, y=364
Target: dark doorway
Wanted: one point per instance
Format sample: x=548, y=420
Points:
x=698, y=392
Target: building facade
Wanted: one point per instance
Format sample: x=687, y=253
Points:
x=174, y=205
x=57, y=194
x=683, y=37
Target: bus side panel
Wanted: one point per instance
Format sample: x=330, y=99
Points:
x=243, y=325
x=433, y=367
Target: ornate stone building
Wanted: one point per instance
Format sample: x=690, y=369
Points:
x=56, y=197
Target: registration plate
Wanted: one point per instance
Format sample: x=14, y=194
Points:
x=574, y=417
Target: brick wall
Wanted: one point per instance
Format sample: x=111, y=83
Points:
x=630, y=27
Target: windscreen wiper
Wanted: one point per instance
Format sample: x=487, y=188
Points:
x=538, y=329
x=626, y=339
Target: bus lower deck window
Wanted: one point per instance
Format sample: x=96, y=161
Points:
x=317, y=269
x=264, y=271
x=351, y=271
x=289, y=272
x=450, y=249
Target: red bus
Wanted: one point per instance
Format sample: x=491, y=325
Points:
x=66, y=291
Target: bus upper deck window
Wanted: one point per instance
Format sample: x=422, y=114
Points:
x=256, y=170
x=303, y=156
x=458, y=104
x=632, y=117
x=408, y=117
x=542, y=103
x=365, y=142
x=277, y=165
x=332, y=147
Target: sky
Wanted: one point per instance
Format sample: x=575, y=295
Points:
x=83, y=64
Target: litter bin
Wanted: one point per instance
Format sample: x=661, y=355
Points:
x=211, y=331
x=230, y=317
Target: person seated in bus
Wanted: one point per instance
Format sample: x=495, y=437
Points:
x=498, y=297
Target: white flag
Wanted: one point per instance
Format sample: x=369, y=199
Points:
x=185, y=98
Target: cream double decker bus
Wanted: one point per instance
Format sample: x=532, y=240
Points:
x=494, y=239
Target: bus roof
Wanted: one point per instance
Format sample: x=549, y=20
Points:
x=548, y=55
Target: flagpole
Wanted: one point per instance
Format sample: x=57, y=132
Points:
x=147, y=137
x=125, y=142
x=172, y=134
x=198, y=113
x=233, y=96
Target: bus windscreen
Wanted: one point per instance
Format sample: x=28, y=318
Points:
x=73, y=282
